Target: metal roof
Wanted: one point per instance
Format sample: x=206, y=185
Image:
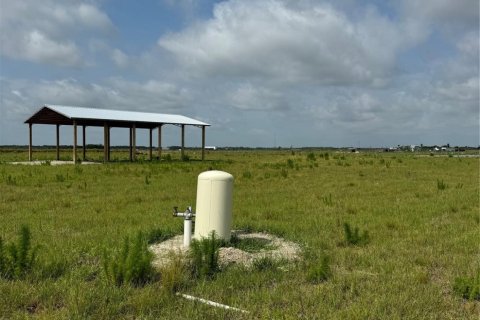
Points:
x=79, y=113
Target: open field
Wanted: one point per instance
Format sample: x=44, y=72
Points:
x=421, y=213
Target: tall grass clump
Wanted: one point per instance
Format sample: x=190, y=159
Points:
x=468, y=287
x=204, y=256
x=17, y=260
x=131, y=265
x=353, y=237
x=441, y=185
x=319, y=271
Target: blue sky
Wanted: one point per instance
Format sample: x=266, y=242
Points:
x=262, y=72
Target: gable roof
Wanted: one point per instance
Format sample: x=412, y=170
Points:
x=55, y=114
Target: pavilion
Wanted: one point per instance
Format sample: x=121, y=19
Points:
x=93, y=117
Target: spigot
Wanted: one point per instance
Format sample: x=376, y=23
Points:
x=187, y=215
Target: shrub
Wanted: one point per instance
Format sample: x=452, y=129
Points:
x=132, y=264
x=247, y=175
x=319, y=271
x=311, y=156
x=16, y=260
x=441, y=185
x=468, y=287
x=354, y=237
x=290, y=163
x=204, y=256
x=327, y=200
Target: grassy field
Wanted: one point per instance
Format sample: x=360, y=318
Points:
x=421, y=213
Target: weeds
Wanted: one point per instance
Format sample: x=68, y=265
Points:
x=311, y=156
x=158, y=235
x=204, y=256
x=441, y=185
x=133, y=264
x=327, y=200
x=319, y=271
x=264, y=263
x=16, y=260
x=354, y=237
x=250, y=244
x=468, y=287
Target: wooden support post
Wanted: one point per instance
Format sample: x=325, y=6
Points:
x=134, y=142
x=84, y=143
x=203, y=143
x=130, y=149
x=74, y=141
x=108, y=143
x=160, y=142
x=183, y=142
x=58, y=142
x=105, y=143
x=150, y=148
x=29, y=142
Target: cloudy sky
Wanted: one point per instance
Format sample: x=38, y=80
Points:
x=262, y=72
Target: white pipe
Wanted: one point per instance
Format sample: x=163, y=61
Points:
x=187, y=232
x=211, y=303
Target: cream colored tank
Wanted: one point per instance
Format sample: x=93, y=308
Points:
x=214, y=204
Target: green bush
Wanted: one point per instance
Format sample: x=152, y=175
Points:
x=17, y=260
x=441, y=185
x=353, y=237
x=132, y=264
x=468, y=288
x=319, y=271
x=204, y=256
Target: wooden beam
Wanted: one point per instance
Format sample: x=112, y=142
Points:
x=160, y=142
x=108, y=143
x=203, y=143
x=150, y=148
x=183, y=142
x=58, y=142
x=105, y=144
x=84, y=143
x=29, y=142
x=74, y=141
x=134, y=141
x=130, y=149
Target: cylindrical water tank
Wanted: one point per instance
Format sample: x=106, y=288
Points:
x=214, y=204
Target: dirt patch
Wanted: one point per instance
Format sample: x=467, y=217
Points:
x=276, y=248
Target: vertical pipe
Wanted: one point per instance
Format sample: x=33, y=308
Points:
x=58, y=142
x=74, y=141
x=134, y=141
x=84, y=143
x=29, y=142
x=150, y=148
x=105, y=146
x=203, y=143
x=183, y=142
x=160, y=142
x=130, y=144
x=187, y=232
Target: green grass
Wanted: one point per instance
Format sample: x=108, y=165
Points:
x=422, y=237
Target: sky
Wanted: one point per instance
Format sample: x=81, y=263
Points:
x=263, y=73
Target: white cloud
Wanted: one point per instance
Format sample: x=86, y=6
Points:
x=43, y=32
x=272, y=39
x=120, y=58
